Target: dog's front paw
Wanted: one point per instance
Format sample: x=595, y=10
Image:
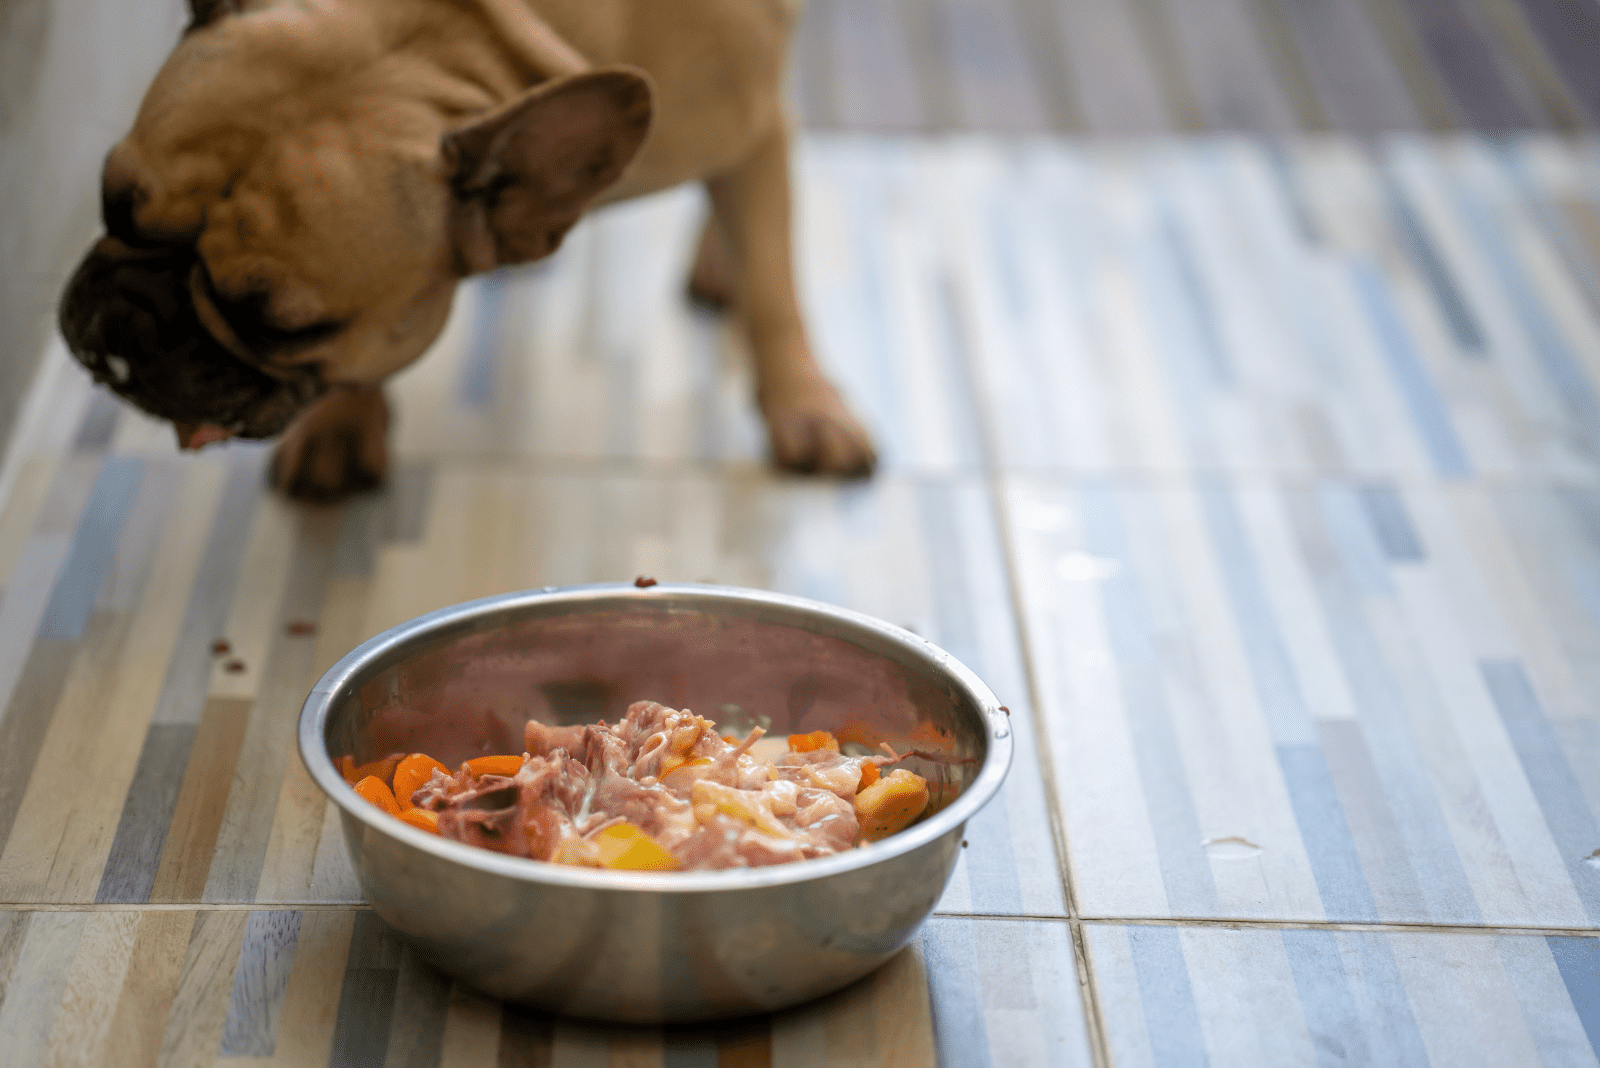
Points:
x=340, y=446
x=814, y=433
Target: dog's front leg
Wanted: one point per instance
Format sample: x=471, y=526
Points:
x=810, y=427
x=338, y=446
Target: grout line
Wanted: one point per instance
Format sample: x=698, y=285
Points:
x=1278, y=925
x=994, y=481
x=1073, y=920
x=1336, y=925
x=188, y=906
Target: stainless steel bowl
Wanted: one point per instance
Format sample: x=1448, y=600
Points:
x=649, y=947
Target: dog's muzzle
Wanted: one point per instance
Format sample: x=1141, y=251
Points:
x=127, y=316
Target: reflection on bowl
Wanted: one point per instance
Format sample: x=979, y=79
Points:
x=644, y=946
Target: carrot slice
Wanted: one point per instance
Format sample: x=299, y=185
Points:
x=382, y=768
x=347, y=768
x=377, y=791
x=805, y=743
x=424, y=818
x=622, y=845
x=495, y=765
x=869, y=775
x=411, y=773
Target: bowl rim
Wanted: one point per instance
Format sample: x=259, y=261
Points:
x=319, y=764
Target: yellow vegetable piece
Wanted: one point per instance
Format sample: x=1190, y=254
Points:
x=891, y=804
x=624, y=846
x=423, y=818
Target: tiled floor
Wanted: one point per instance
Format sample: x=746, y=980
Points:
x=1263, y=485
x=1119, y=67
x=1101, y=68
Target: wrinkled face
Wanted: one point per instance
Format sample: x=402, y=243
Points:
x=275, y=222
x=292, y=209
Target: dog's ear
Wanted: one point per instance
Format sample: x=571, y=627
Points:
x=523, y=174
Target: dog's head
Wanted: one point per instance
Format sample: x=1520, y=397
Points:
x=302, y=189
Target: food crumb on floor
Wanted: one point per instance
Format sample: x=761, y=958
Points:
x=233, y=667
x=300, y=628
x=220, y=647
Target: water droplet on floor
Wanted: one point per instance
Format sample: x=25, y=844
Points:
x=1231, y=847
x=1079, y=566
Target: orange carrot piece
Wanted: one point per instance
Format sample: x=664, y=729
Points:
x=422, y=818
x=375, y=790
x=869, y=775
x=347, y=768
x=411, y=773
x=382, y=768
x=495, y=765
x=805, y=743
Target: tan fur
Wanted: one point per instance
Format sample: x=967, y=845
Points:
x=346, y=162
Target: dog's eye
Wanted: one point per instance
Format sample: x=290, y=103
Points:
x=117, y=211
x=247, y=317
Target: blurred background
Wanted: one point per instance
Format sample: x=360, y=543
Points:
x=72, y=73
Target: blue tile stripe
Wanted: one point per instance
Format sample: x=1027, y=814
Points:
x=1566, y=811
x=367, y=998
x=1453, y=306
x=1551, y=347
x=1429, y=415
x=475, y=384
x=259, y=984
x=1327, y=999
x=1196, y=300
x=949, y=951
x=1391, y=524
x=1171, y=1016
x=1579, y=961
x=84, y=572
x=1391, y=738
x=1324, y=829
x=1169, y=803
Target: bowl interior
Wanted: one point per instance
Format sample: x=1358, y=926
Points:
x=462, y=682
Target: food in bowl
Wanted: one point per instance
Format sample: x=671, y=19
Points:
x=660, y=791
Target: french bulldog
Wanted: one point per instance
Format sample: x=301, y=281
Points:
x=307, y=181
